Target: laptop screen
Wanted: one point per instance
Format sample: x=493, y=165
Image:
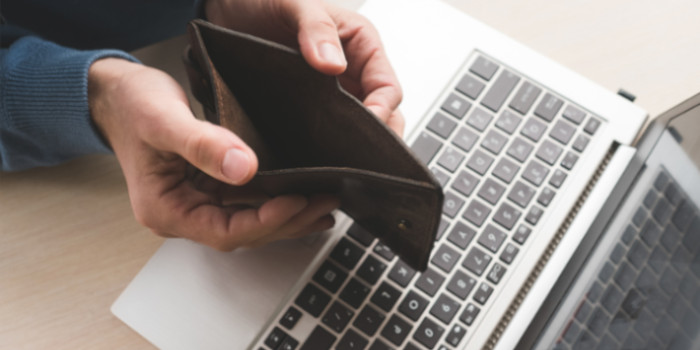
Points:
x=639, y=287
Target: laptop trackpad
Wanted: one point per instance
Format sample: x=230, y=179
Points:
x=190, y=296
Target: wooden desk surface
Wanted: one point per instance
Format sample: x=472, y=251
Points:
x=68, y=240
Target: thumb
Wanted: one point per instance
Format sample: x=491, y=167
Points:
x=317, y=35
x=211, y=148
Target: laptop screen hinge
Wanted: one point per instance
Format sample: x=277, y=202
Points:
x=535, y=273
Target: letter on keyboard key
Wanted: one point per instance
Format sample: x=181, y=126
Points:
x=401, y=273
x=470, y=86
x=337, y=317
x=548, y=107
x=430, y=281
x=525, y=97
x=442, y=125
x=506, y=216
x=476, y=261
x=483, y=293
x=413, y=305
x=396, y=330
x=500, y=90
x=312, y=300
x=428, y=333
x=484, y=68
x=371, y=269
x=476, y=213
x=354, y=293
x=352, y=340
x=386, y=296
x=492, y=238
x=445, y=258
x=445, y=308
x=549, y=152
x=425, y=147
x=369, y=320
x=319, y=339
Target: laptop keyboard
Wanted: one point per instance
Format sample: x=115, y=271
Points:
x=501, y=146
x=647, y=293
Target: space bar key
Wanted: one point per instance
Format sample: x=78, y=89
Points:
x=320, y=339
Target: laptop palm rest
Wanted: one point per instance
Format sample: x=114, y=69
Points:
x=188, y=292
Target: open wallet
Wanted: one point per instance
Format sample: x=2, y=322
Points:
x=313, y=137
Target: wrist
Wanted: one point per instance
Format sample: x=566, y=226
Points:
x=104, y=77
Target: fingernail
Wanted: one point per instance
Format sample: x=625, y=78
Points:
x=332, y=54
x=236, y=165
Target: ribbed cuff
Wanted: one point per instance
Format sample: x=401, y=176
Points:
x=45, y=100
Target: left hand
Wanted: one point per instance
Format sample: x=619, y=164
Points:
x=333, y=40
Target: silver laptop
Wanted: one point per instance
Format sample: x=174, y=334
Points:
x=534, y=161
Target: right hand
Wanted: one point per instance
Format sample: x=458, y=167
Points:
x=145, y=117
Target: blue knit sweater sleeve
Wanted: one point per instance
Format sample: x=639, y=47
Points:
x=44, y=112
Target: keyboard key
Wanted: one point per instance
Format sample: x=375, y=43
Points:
x=479, y=119
x=611, y=298
x=452, y=204
x=506, y=216
x=288, y=343
x=533, y=129
x=354, y=293
x=496, y=273
x=484, y=68
x=429, y=281
x=360, y=235
x=312, y=300
x=661, y=181
x=352, y=341
x=520, y=149
x=476, y=213
x=445, y=308
x=557, y=178
x=650, y=233
x=546, y=196
x=455, y=335
x=508, y=121
x=461, y=284
x=442, y=125
x=548, y=152
x=401, y=273
x=548, y=107
x=385, y=296
x=562, y=131
x=445, y=258
x=347, y=253
x=319, y=338
x=461, y=235
x=369, y=320
x=500, y=90
x=480, y=162
x=509, y=253
x=379, y=345
x=425, y=147
x=337, y=317
x=650, y=199
x=469, y=314
x=442, y=227
x=290, y=317
x=580, y=143
x=535, y=172
x=465, y=183
x=465, y=139
x=382, y=250
x=683, y=216
x=637, y=254
x=413, y=305
x=476, y=261
x=521, y=234
x=470, y=86
x=521, y=194
x=662, y=211
x=275, y=338
x=624, y=276
x=330, y=276
x=451, y=159
x=525, y=97
x=396, y=330
x=371, y=269
x=591, y=126
x=574, y=114
x=491, y=238
x=494, y=142
x=533, y=216
x=569, y=160
x=456, y=106
x=491, y=191
x=673, y=194
x=506, y=170
x=483, y=293
x=428, y=333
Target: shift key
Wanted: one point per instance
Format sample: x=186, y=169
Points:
x=500, y=90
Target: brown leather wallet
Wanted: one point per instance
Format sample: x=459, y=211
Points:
x=311, y=136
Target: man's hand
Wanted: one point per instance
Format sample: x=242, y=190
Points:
x=145, y=117
x=333, y=40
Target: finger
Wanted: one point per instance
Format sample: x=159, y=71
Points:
x=211, y=148
x=396, y=122
x=319, y=206
x=317, y=35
